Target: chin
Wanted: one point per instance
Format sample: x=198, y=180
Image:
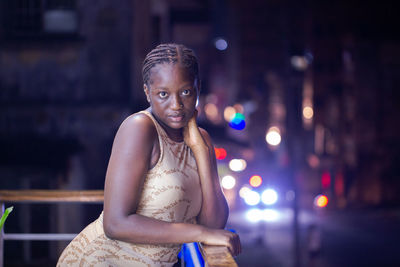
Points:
x=177, y=126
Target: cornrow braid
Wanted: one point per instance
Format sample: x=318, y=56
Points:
x=171, y=54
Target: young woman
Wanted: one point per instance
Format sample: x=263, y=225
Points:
x=162, y=187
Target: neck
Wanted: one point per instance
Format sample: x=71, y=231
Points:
x=174, y=134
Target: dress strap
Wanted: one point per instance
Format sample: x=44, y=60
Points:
x=160, y=133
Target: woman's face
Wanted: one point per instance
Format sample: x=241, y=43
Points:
x=172, y=95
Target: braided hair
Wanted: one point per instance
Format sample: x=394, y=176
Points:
x=171, y=54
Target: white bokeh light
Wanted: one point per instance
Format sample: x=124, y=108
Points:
x=273, y=136
x=270, y=215
x=254, y=215
x=228, y=182
x=252, y=198
x=269, y=196
x=237, y=165
x=243, y=191
x=308, y=112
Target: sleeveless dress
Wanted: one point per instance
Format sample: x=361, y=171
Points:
x=171, y=193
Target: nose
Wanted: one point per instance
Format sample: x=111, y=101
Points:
x=177, y=103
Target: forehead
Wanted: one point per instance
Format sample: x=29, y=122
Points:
x=167, y=73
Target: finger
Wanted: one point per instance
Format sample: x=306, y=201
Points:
x=231, y=249
x=234, y=245
x=235, y=251
x=239, y=244
x=234, y=242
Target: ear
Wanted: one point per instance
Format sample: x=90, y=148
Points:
x=197, y=84
x=146, y=91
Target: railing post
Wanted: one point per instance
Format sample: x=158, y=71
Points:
x=217, y=256
x=1, y=237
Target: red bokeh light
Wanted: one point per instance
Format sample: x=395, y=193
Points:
x=326, y=180
x=220, y=153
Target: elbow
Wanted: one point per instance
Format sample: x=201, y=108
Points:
x=216, y=221
x=110, y=228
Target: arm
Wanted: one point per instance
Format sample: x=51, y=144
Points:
x=214, y=211
x=128, y=166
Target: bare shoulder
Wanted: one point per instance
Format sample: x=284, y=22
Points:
x=138, y=122
x=136, y=128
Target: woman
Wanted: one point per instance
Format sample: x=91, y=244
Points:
x=162, y=187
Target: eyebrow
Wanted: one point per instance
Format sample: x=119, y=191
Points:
x=161, y=88
x=166, y=88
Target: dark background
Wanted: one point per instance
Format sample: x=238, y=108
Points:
x=68, y=81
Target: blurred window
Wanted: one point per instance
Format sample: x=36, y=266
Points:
x=30, y=19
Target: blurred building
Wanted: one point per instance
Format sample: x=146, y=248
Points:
x=70, y=72
x=355, y=73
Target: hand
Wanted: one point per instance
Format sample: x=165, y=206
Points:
x=192, y=135
x=219, y=237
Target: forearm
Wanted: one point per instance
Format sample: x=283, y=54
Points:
x=136, y=228
x=214, y=211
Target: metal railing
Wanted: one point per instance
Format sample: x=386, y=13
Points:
x=213, y=256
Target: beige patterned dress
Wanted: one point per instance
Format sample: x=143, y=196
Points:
x=171, y=193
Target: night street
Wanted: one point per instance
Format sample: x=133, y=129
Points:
x=349, y=238
x=280, y=118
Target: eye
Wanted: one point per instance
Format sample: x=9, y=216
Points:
x=186, y=92
x=163, y=94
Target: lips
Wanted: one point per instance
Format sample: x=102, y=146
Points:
x=177, y=117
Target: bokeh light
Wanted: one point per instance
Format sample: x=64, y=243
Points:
x=299, y=62
x=252, y=198
x=308, y=112
x=243, y=191
x=221, y=44
x=211, y=111
x=269, y=196
x=273, y=136
x=255, y=181
x=321, y=201
x=238, y=108
x=220, y=153
x=238, y=122
x=326, y=180
x=270, y=215
x=229, y=113
x=313, y=161
x=228, y=182
x=237, y=165
x=254, y=215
